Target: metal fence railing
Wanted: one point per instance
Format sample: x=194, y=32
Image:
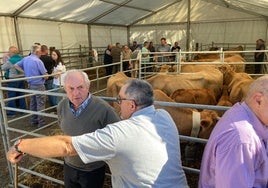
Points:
x=18, y=127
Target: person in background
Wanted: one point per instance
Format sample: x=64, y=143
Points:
x=6, y=56
x=116, y=52
x=35, y=44
x=51, y=48
x=164, y=47
x=151, y=48
x=13, y=73
x=145, y=59
x=59, y=69
x=259, y=56
x=236, y=152
x=142, y=150
x=94, y=57
x=175, y=48
x=5, y=59
x=135, y=62
x=134, y=46
x=49, y=65
x=79, y=113
x=108, y=59
x=126, y=56
x=33, y=66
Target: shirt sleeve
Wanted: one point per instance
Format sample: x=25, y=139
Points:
x=235, y=166
x=6, y=66
x=96, y=146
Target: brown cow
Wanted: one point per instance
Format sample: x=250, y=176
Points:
x=184, y=117
x=237, y=83
x=240, y=67
x=169, y=83
x=208, y=79
x=166, y=68
x=114, y=84
x=237, y=60
x=224, y=100
x=194, y=96
x=217, y=55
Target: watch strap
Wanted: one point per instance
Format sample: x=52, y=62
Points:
x=16, y=146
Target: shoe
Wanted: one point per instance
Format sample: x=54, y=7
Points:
x=33, y=123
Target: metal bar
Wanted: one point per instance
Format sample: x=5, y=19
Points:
x=16, y=176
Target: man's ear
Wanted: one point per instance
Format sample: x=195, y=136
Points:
x=258, y=98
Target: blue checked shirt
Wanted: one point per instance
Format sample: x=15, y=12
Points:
x=81, y=107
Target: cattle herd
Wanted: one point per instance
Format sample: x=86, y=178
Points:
x=210, y=84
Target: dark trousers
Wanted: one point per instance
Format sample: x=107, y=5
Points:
x=37, y=103
x=74, y=178
x=13, y=103
x=48, y=86
x=109, y=69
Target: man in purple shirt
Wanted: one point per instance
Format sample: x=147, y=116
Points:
x=236, y=153
x=33, y=66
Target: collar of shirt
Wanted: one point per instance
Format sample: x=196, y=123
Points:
x=260, y=129
x=81, y=107
x=144, y=111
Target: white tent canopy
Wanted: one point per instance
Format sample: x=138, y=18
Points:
x=96, y=23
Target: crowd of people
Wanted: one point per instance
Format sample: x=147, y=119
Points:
x=128, y=54
x=49, y=68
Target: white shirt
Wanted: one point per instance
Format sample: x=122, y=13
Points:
x=59, y=69
x=142, y=151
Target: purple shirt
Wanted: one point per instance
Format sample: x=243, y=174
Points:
x=235, y=155
x=33, y=66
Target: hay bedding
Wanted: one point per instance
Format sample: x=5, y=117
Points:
x=53, y=170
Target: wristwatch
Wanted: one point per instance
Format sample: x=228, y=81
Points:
x=16, y=146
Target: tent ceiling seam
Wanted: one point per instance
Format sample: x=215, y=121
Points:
x=146, y=16
x=24, y=7
x=109, y=11
x=128, y=6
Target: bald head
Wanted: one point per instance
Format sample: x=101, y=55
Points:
x=260, y=85
x=257, y=99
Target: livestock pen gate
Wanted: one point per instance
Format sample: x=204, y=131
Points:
x=19, y=127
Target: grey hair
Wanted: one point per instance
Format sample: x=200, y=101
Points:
x=35, y=48
x=140, y=91
x=259, y=85
x=69, y=72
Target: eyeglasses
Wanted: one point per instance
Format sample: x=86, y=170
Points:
x=119, y=100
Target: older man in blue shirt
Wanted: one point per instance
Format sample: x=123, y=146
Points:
x=33, y=66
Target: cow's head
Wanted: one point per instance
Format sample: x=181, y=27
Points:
x=227, y=72
x=209, y=118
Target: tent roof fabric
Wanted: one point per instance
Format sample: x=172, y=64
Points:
x=115, y=12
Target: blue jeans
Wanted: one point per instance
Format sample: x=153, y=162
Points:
x=19, y=103
x=56, y=99
x=48, y=86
